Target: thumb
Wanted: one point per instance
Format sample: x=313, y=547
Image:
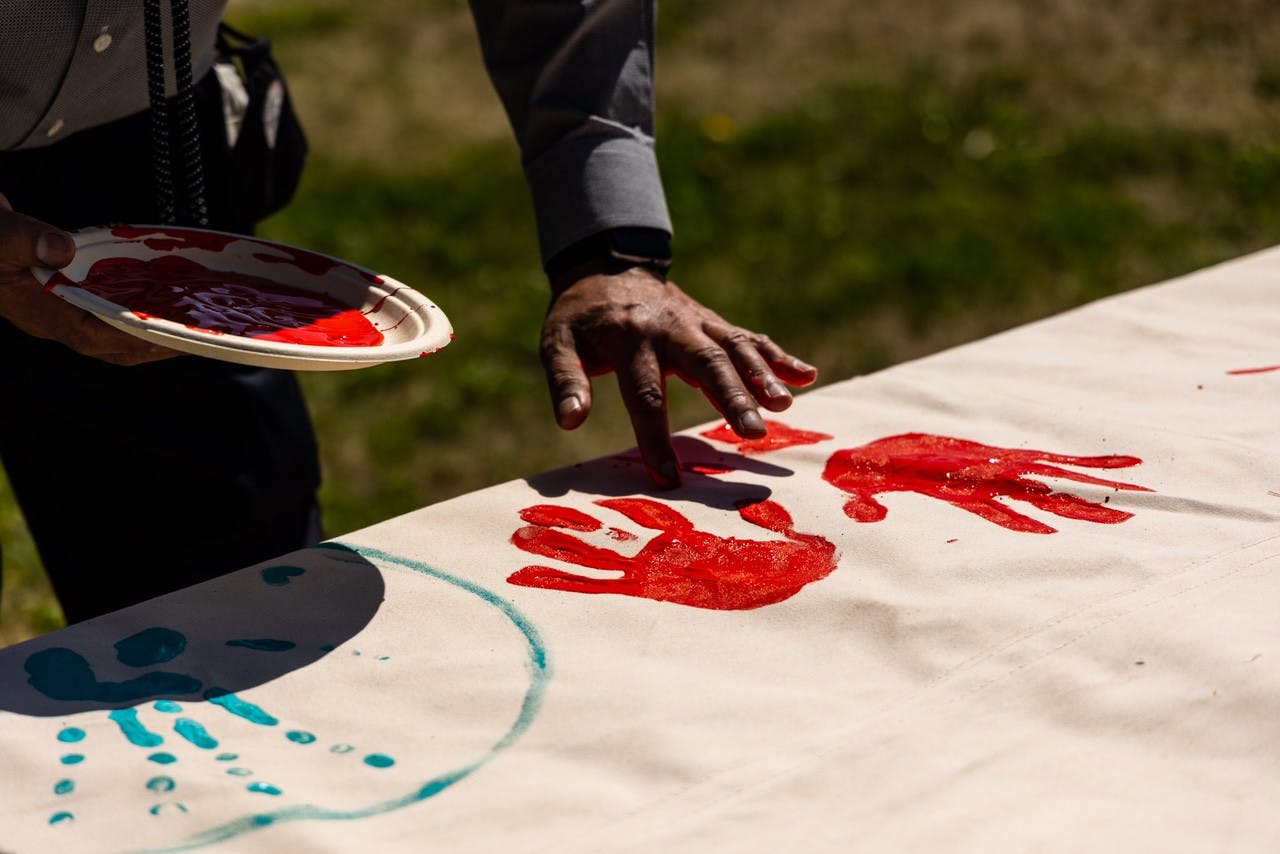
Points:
x=26, y=242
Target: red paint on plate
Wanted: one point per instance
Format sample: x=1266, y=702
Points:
x=167, y=239
x=680, y=564
x=178, y=289
x=780, y=436
x=970, y=476
x=1242, y=371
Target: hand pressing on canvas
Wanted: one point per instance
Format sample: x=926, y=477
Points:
x=27, y=242
x=643, y=328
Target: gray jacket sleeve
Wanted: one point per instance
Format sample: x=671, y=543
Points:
x=576, y=79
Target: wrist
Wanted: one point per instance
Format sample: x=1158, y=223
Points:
x=611, y=252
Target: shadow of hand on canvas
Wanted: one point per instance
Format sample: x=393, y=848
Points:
x=701, y=464
x=201, y=644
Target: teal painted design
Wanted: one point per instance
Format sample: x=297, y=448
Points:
x=539, y=673
x=297, y=736
x=72, y=759
x=161, y=784
x=239, y=708
x=71, y=734
x=194, y=733
x=162, y=758
x=263, y=644
x=63, y=674
x=263, y=788
x=167, y=706
x=379, y=760
x=155, y=645
x=132, y=729
x=61, y=817
x=64, y=787
x=279, y=576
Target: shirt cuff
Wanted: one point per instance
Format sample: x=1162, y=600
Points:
x=587, y=184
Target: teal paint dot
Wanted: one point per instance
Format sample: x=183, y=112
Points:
x=227, y=757
x=64, y=787
x=163, y=758
x=72, y=759
x=379, y=760
x=278, y=576
x=167, y=706
x=341, y=748
x=299, y=737
x=161, y=784
x=155, y=810
x=239, y=772
x=71, y=735
x=60, y=817
x=263, y=788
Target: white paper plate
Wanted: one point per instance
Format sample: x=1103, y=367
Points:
x=411, y=325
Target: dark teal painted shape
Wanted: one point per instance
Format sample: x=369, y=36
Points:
x=63, y=674
x=155, y=645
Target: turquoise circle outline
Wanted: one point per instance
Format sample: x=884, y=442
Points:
x=539, y=674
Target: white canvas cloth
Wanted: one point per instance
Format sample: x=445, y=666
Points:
x=949, y=677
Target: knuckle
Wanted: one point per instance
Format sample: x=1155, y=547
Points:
x=648, y=398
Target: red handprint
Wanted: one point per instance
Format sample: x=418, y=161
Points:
x=680, y=564
x=971, y=476
x=779, y=436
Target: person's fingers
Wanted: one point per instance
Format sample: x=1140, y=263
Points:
x=785, y=367
x=644, y=393
x=89, y=336
x=745, y=352
x=707, y=364
x=26, y=242
x=566, y=380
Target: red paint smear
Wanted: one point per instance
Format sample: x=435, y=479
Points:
x=970, y=476
x=780, y=436
x=176, y=238
x=681, y=564
x=1242, y=371
x=180, y=290
x=313, y=263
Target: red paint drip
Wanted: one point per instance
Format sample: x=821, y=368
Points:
x=166, y=239
x=779, y=436
x=680, y=564
x=178, y=289
x=970, y=476
x=1242, y=371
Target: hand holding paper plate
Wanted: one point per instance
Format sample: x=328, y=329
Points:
x=246, y=300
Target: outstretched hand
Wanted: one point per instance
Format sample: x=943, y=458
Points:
x=643, y=328
x=26, y=242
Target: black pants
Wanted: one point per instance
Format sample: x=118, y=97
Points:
x=142, y=480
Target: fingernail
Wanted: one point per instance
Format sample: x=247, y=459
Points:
x=54, y=248
x=751, y=422
x=801, y=366
x=568, y=406
x=773, y=388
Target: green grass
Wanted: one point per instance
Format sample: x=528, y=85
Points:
x=866, y=223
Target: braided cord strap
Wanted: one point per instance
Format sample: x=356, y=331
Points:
x=161, y=158
x=188, y=130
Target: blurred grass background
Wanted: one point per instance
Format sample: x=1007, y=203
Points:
x=865, y=180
